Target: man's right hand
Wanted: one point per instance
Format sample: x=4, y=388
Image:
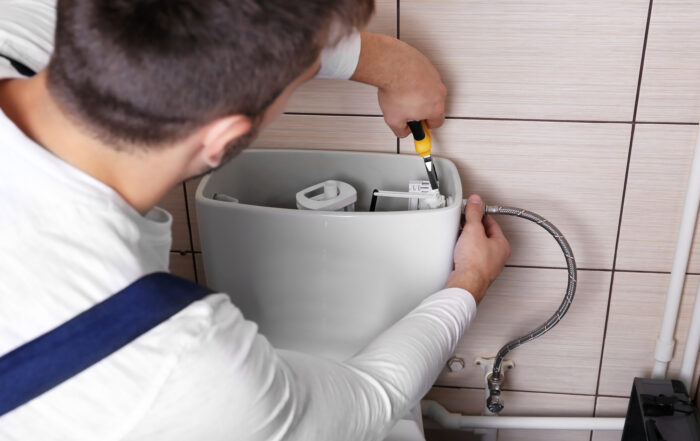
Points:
x=481, y=252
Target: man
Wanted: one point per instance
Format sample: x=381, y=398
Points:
x=138, y=96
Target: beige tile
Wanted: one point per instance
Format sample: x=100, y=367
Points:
x=199, y=264
x=191, y=187
x=571, y=173
x=548, y=59
x=670, y=82
x=564, y=360
x=609, y=407
x=656, y=187
x=636, y=312
x=328, y=133
x=347, y=97
x=174, y=203
x=471, y=402
x=181, y=265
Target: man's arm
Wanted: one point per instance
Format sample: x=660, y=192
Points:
x=231, y=382
x=410, y=88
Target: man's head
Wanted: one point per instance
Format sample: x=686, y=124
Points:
x=153, y=72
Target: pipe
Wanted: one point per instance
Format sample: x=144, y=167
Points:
x=495, y=380
x=448, y=420
x=665, y=343
x=692, y=345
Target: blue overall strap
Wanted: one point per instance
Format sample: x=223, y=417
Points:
x=47, y=361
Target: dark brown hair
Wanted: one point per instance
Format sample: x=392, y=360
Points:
x=152, y=71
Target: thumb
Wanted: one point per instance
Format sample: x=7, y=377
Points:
x=475, y=210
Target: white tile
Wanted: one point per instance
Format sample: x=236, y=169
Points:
x=671, y=80
x=368, y=134
x=545, y=59
x=564, y=360
x=346, y=97
x=656, y=187
x=636, y=313
x=610, y=407
x=181, y=265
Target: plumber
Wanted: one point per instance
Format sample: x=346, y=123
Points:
x=109, y=104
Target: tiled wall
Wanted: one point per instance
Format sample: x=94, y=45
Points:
x=586, y=112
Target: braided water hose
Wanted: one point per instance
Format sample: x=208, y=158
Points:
x=495, y=402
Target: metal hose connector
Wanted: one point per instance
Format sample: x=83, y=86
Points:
x=495, y=402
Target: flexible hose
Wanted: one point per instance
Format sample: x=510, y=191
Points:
x=495, y=403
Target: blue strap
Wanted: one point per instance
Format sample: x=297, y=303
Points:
x=47, y=361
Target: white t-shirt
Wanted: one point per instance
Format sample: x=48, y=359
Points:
x=68, y=241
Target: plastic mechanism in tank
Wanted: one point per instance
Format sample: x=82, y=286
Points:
x=334, y=195
x=420, y=195
x=330, y=195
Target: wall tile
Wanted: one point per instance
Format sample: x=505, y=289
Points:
x=471, y=402
x=656, y=187
x=191, y=187
x=328, y=133
x=199, y=264
x=548, y=59
x=174, y=203
x=571, y=173
x=181, y=265
x=340, y=96
x=636, y=312
x=671, y=79
x=609, y=407
x=564, y=360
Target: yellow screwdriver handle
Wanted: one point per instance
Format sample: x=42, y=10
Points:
x=421, y=137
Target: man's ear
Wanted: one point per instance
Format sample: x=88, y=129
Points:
x=218, y=134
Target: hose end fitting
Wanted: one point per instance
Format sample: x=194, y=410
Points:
x=494, y=402
x=491, y=209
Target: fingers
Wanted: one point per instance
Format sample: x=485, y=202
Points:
x=475, y=212
x=495, y=234
x=434, y=123
x=493, y=230
x=399, y=127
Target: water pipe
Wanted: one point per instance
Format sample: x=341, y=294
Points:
x=495, y=379
x=449, y=420
x=692, y=344
x=665, y=343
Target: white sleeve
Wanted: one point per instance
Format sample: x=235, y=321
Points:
x=27, y=31
x=233, y=385
x=339, y=61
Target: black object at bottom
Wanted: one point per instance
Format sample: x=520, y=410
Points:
x=660, y=410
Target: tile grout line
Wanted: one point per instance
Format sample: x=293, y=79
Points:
x=622, y=205
x=398, y=19
x=531, y=391
x=189, y=229
x=505, y=119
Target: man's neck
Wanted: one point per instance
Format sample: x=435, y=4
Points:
x=141, y=177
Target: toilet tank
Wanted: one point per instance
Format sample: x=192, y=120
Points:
x=324, y=283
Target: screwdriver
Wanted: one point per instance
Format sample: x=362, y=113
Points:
x=421, y=138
